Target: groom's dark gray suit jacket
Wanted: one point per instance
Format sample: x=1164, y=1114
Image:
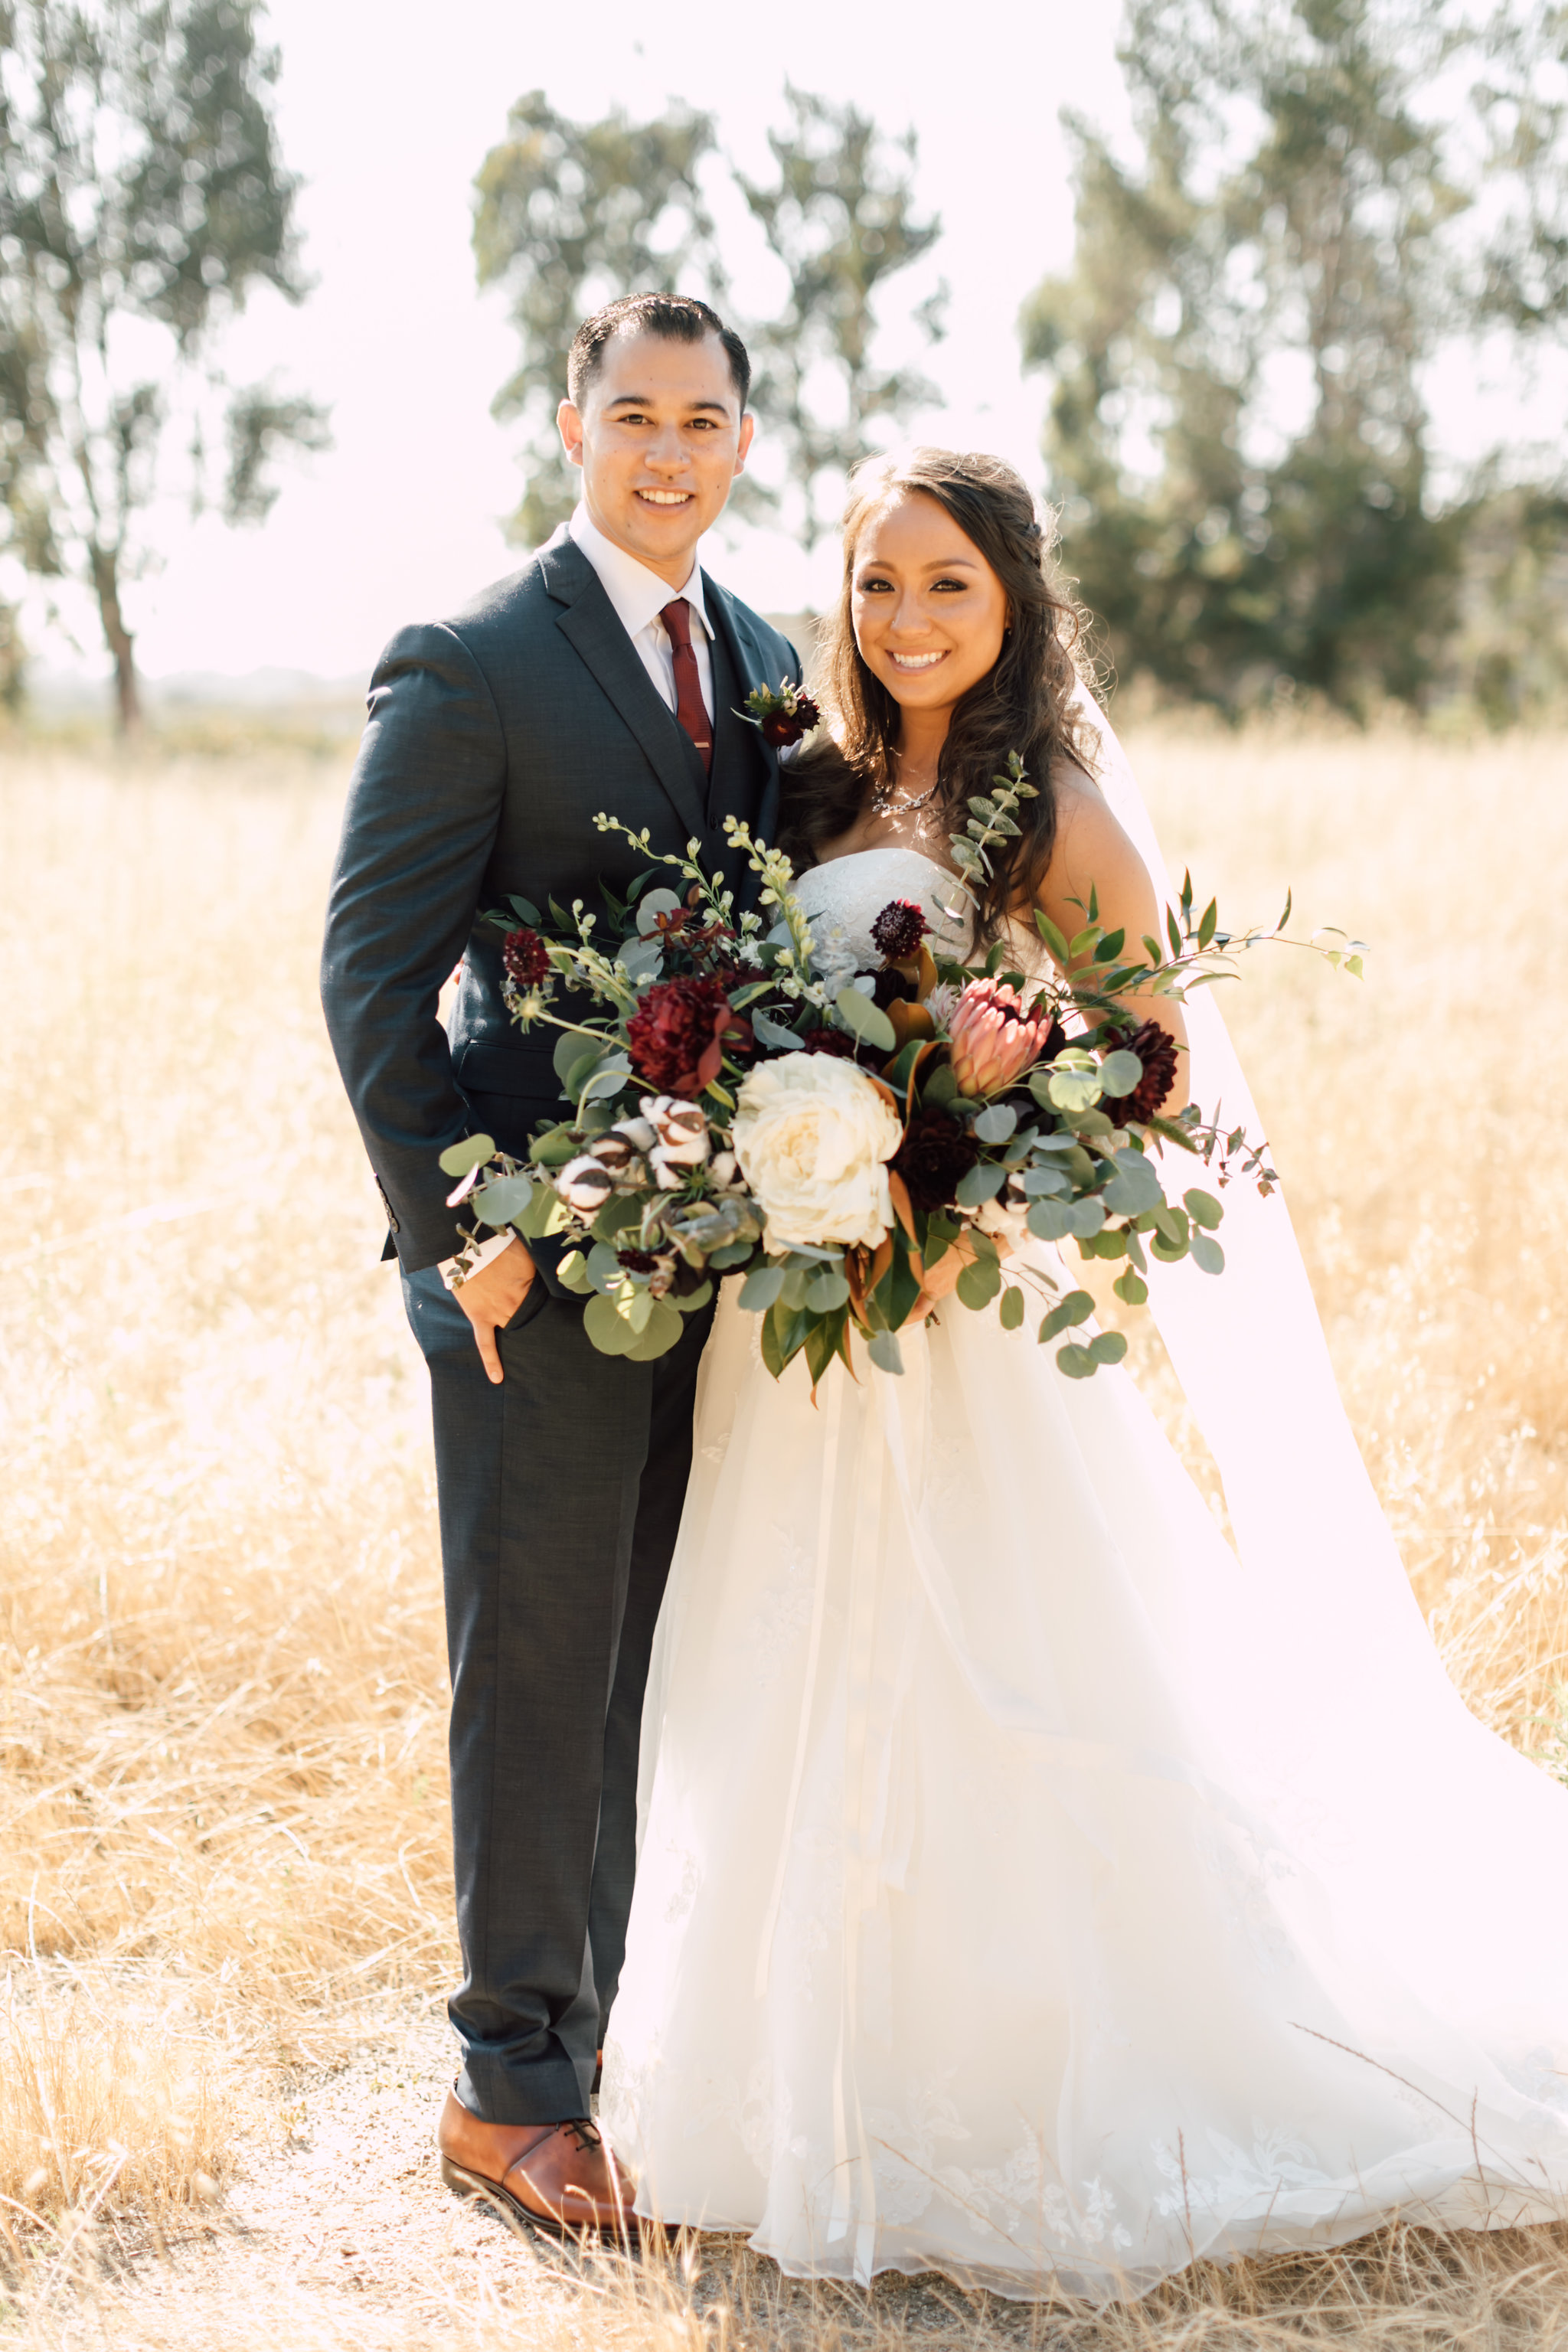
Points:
x=494, y=738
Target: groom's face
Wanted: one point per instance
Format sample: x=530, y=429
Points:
x=661, y=437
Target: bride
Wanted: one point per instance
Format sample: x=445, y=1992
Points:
x=1030, y=1887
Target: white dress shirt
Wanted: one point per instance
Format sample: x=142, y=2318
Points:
x=639, y=596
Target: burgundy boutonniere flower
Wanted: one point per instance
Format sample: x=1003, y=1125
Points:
x=782, y=713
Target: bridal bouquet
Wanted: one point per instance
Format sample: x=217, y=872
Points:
x=829, y=1116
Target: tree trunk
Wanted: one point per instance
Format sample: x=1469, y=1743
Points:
x=117, y=636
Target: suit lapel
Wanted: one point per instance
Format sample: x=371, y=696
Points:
x=589, y=624
x=750, y=669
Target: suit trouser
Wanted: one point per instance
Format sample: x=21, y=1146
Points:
x=561, y=1491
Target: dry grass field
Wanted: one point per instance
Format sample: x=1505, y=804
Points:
x=224, y=1903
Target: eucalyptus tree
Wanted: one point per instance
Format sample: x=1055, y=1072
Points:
x=841, y=217
x=142, y=198
x=1328, y=193
x=569, y=215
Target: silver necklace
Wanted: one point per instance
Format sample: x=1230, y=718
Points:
x=886, y=803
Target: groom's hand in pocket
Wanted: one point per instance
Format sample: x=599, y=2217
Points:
x=492, y=1297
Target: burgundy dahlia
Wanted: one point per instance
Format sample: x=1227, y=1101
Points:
x=783, y=727
x=836, y=1042
x=934, y=1155
x=674, y=1036
x=1156, y=1049
x=899, y=931
x=526, y=958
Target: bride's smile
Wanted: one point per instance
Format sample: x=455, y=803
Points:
x=929, y=616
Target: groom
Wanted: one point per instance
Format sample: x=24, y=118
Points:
x=606, y=674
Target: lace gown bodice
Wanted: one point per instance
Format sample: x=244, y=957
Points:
x=851, y=892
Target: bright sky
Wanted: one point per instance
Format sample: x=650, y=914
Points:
x=388, y=113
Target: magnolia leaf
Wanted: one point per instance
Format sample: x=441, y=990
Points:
x=1204, y=1209
x=760, y=1288
x=1120, y=1072
x=1011, y=1314
x=885, y=1352
x=864, y=1019
x=1207, y=1252
x=503, y=1199
x=525, y=910
x=996, y=1123
x=1076, y=1308
x=473, y=1150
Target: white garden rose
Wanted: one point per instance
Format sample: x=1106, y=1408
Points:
x=813, y=1134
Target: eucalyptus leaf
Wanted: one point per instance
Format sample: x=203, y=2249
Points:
x=1037, y=1182
x=503, y=1200
x=692, y=1301
x=769, y=1032
x=1076, y=1308
x=1048, y=1221
x=760, y=1288
x=1120, y=1072
x=996, y=1123
x=658, y=1335
x=885, y=1352
x=827, y=1290
x=1012, y=1310
x=568, y=1049
x=863, y=1019
x=1085, y=1217
x=603, y=1268
x=573, y=1274
x=1072, y=1090
x=939, y=1088
x=979, y=1183
x=1132, y=1289
x=1204, y=1209
x=1108, y=1347
x=730, y=1254
x=525, y=910
x=653, y=904
x=472, y=1152
x=605, y=1328
x=1134, y=1188
x=1078, y=1363
x=1207, y=1252
x=978, y=1283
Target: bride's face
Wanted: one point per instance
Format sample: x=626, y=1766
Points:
x=929, y=611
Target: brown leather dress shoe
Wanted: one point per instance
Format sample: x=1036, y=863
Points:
x=561, y=2177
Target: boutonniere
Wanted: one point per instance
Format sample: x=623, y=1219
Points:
x=782, y=712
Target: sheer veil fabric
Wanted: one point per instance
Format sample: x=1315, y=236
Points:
x=1030, y=1886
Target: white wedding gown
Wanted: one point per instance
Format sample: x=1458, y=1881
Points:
x=1027, y=1890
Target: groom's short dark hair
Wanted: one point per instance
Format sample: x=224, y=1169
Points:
x=681, y=318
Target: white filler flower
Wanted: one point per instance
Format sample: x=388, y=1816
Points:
x=813, y=1135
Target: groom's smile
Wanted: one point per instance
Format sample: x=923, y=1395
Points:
x=659, y=435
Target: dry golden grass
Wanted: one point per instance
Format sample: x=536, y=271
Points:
x=223, y=1839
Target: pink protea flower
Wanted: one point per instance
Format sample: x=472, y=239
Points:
x=992, y=1038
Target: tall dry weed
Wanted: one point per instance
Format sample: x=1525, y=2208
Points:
x=222, y=1690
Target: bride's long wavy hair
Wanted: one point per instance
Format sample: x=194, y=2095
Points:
x=1025, y=703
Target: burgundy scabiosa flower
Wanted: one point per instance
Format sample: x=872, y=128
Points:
x=935, y=1153
x=526, y=958
x=675, y=1035
x=1156, y=1049
x=899, y=931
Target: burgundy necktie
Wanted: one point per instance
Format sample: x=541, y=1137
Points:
x=690, y=707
